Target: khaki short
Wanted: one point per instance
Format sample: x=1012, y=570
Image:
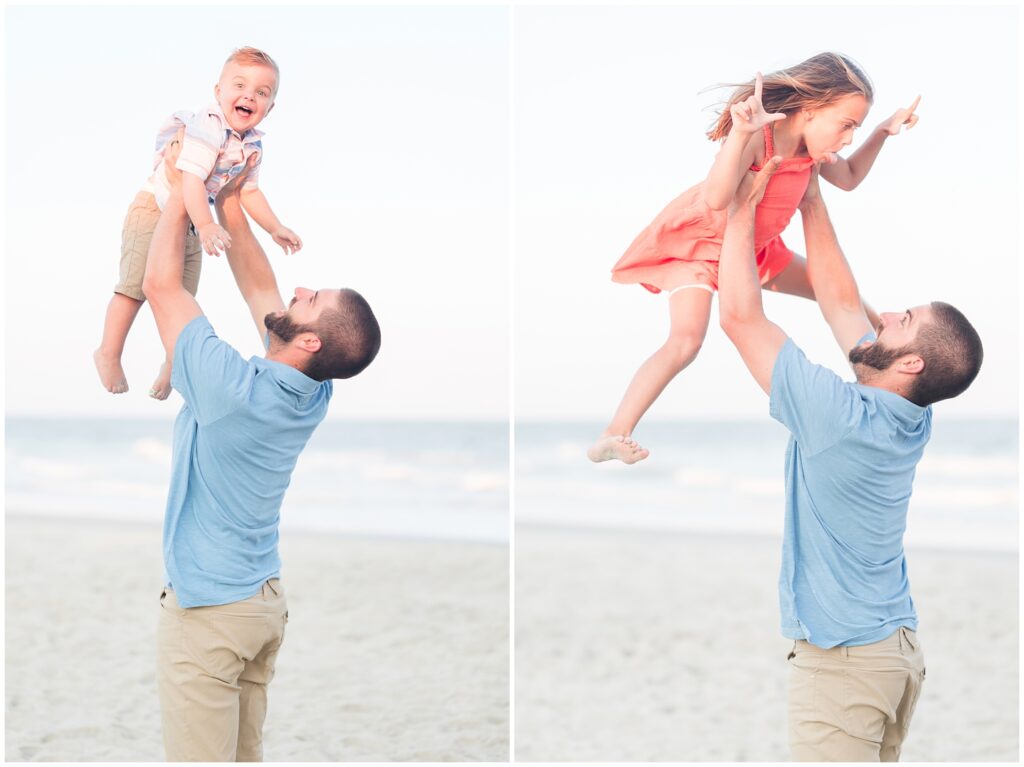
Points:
x=854, y=704
x=213, y=668
x=136, y=234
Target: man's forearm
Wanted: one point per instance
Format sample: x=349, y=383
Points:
x=827, y=269
x=739, y=289
x=741, y=313
x=248, y=261
x=165, y=264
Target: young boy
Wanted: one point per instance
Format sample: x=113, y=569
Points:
x=217, y=142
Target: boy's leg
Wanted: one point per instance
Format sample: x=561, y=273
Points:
x=136, y=233
x=121, y=312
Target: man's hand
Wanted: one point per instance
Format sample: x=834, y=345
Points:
x=287, y=239
x=748, y=116
x=234, y=186
x=751, y=189
x=813, y=191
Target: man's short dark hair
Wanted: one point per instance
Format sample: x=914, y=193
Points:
x=349, y=338
x=952, y=354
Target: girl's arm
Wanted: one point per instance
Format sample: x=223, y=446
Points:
x=256, y=205
x=213, y=237
x=738, y=152
x=847, y=174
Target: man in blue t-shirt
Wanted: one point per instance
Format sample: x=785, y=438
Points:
x=856, y=663
x=236, y=442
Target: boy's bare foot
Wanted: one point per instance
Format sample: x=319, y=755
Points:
x=618, y=447
x=111, y=372
x=161, y=388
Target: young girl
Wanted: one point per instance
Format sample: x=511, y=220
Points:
x=806, y=114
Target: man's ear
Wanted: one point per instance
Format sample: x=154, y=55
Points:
x=911, y=364
x=308, y=342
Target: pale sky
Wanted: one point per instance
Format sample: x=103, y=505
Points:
x=387, y=152
x=609, y=127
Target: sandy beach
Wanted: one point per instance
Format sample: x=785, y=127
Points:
x=396, y=650
x=657, y=647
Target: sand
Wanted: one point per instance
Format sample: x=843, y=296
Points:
x=646, y=647
x=396, y=650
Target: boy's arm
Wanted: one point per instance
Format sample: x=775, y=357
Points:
x=256, y=205
x=737, y=153
x=830, y=276
x=741, y=314
x=847, y=174
x=193, y=189
x=248, y=261
x=173, y=306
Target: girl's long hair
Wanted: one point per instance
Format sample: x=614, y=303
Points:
x=811, y=84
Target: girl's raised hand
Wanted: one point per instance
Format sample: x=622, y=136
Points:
x=900, y=118
x=749, y=115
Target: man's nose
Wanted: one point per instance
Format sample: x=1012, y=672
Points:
x=301, y=293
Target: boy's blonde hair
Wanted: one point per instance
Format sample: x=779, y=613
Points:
x=811, y=84
x=250, y=56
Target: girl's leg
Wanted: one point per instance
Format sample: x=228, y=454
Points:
x=689, y=312
x=121, y=313
x=793, y=281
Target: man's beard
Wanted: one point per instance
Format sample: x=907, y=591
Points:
x=876, y=356
x=284, y=327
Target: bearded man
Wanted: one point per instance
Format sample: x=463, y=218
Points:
x=856, y=663
x=236, y=441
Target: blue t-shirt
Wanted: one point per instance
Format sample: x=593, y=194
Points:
x=849, y=474
x=236, y=441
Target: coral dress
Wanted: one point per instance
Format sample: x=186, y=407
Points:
x=683, y=244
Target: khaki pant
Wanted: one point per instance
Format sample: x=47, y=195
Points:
x=213, y=668
x=136, y=235
x=853, y=704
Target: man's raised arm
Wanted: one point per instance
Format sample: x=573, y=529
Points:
x=829, y=273
x=173, y=306
x=248, y=261
x=741, y=313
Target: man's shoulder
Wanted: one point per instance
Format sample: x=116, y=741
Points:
x=199, y=337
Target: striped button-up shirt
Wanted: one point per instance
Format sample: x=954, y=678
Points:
x=210, y=150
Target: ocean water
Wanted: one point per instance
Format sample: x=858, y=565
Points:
x=413, y=480
x=727, y=477
x=451, y=480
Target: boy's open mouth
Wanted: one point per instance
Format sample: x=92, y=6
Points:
x=245, y=111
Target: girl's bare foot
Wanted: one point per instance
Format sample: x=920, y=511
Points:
x=161, y=388
x=618, y=447
x=111, y=373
